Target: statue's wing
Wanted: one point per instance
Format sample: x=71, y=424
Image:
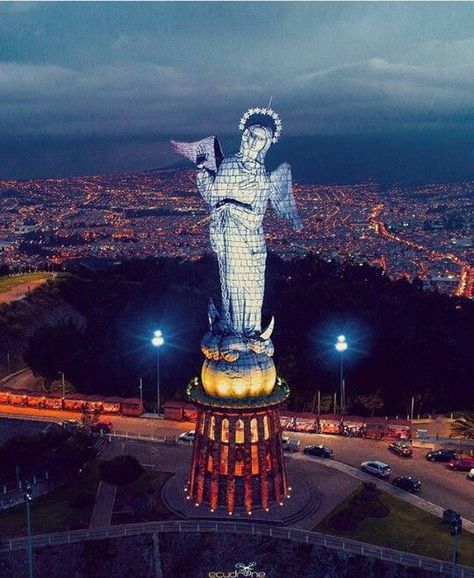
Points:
x=206, y=153
x=281, y=195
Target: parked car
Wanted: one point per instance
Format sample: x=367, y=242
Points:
x=102, y=427
x=71, y=424
x=401, y=449
x=470, y=475
x=441, y=455
x=318, y=451
x=289, y=444
x=187, y=436
x=407, y=483
x=462, y=464
x=376, y=468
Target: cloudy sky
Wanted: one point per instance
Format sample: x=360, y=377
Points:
x=99, y=86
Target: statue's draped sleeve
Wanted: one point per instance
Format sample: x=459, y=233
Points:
x=281, y=195
x=207, y=186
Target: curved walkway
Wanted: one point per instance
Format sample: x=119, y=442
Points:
x=296, y=535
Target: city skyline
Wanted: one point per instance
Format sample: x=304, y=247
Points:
x=422, y=231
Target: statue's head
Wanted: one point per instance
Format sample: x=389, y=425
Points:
x=256, y=140
x=260, y=128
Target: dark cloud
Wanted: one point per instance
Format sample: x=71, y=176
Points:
x=134, y=98
x=113, y=70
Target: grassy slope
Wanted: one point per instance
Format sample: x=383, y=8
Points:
x=7, y=283
x=52, y=512
x=407, y=528
x=141, y=501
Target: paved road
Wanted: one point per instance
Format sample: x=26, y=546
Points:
x=442, y=487
x=23, y=380
x=10, y=428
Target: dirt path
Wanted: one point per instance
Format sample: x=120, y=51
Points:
x=20, y=291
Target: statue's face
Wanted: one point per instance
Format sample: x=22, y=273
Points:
x=256, y=140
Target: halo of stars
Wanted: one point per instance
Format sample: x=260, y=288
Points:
x=263, y=111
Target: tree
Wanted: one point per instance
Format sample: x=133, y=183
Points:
x=120, y=470
x=53, y=348
x=57, y=385
x=90, y=417
x=327, y=403
x=463, y=427
x=372, y=401
x=421, y=398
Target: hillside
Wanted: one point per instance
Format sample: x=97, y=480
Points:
x=19, y=320
x=403, y=341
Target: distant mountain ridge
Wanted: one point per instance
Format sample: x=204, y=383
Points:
x=404, y=157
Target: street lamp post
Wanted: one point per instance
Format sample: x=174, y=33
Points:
x=454, y=557
x=157, y=341
x=140, y=387
x=455, y=522
x=63, y=383
x=341, y=346
x=28, y=498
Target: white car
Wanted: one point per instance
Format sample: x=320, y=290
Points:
x=71, y=424
x=379, y=469
x=470, y=475
x=290, y=445
x=187, y=436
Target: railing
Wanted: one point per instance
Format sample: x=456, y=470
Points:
x=31, y=417
x=170, y=440
x=293, y=534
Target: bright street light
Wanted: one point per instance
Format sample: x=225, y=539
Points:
x=341, y=345
x=158, y=340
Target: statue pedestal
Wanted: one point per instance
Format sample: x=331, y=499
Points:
x=238, y=461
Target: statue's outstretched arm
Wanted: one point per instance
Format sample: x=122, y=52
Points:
x=206, y=152
x=207, y=155
x=281, y=196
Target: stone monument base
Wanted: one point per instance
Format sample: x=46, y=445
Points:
x=238, y=460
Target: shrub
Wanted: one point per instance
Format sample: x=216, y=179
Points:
x=120, y=470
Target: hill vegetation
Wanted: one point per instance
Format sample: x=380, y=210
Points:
x=403, y=341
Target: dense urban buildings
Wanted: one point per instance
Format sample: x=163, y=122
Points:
x=409, y=231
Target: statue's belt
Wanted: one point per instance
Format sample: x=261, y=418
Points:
x=233, y=202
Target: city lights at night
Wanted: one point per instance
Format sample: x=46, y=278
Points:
x=236, y=289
